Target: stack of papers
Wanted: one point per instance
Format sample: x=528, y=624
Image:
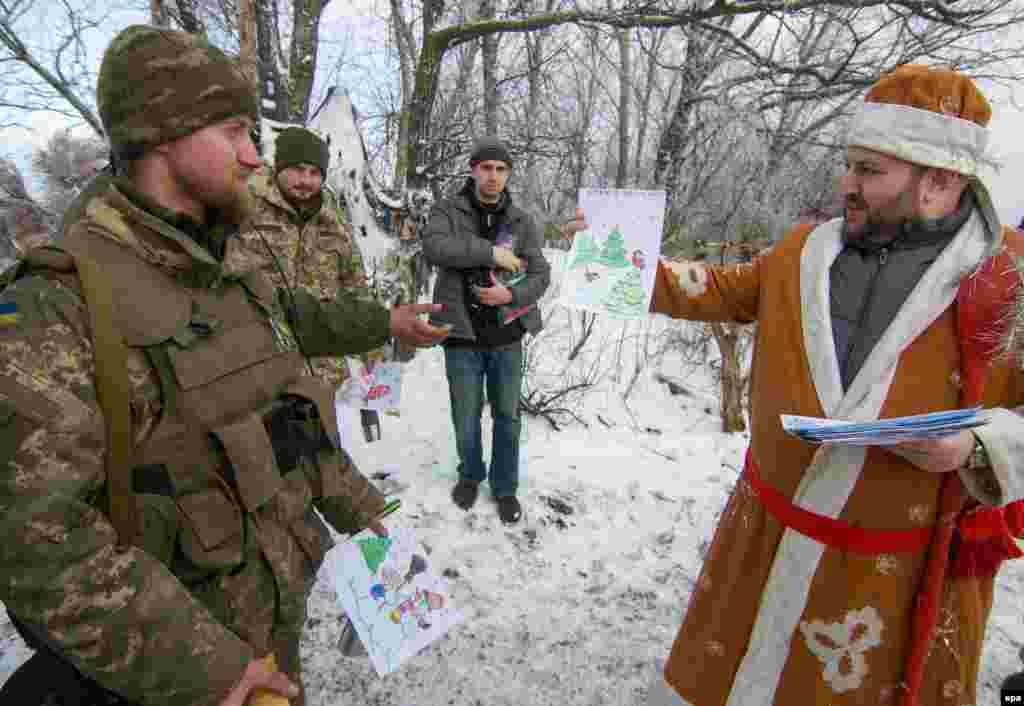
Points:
x=883, y=432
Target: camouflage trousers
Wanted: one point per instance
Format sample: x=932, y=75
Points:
x=48, y=679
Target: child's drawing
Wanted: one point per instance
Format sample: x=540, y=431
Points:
x=610, y=267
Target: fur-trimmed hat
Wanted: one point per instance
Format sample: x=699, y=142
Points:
x=938, y=90
x=934, y=118
x=156, y=85
x=296, y=145
x=931, y=117
x=489, y=148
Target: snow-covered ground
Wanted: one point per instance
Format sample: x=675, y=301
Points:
x=576, y=605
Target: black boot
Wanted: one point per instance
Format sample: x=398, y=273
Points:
x=509, y=509
x=464, y=493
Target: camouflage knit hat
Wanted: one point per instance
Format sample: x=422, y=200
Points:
x=156, y=85
x=296, y=145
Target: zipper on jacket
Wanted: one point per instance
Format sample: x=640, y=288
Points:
x=883, y=257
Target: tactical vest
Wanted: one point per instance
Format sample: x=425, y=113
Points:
x=228, y=439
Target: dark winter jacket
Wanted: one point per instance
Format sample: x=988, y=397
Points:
x=454, y=242
x=871, y=279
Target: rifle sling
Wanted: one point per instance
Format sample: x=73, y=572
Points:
x=114, y=396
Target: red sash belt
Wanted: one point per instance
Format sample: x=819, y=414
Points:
x=833, y=533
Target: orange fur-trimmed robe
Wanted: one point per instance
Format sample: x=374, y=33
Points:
x=777, y=618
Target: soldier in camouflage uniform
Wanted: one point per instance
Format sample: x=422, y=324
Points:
x=230, y=446
x=296, y=236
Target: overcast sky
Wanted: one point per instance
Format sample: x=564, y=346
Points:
x=1007, y=141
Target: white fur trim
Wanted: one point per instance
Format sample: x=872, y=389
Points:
x=1003, y=438
x=691, y=276
x=921, y=136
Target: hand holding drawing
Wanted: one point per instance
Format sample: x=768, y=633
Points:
x=375, y=525
x=505, y=259
x=941, y=455
x=498, y=295
x=576, y=225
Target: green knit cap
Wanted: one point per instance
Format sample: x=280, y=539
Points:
x=156, y=85
x=296, y=145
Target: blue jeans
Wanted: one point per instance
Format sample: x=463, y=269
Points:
x=468, y=368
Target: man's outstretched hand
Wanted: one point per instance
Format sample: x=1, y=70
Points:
x=574, y=226
x=411, y=330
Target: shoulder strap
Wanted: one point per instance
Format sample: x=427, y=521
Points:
x=113, y=393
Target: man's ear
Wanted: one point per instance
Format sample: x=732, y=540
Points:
x=944, y=180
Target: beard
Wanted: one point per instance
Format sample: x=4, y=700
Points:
x=302, y=200
x=864, y=223
x=239, y=208
x=233, y=204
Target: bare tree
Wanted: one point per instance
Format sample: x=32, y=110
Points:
x=158, y=13
x=489, y=64
x=22, y=218
x=625, y=99
x=926, y=26
x=51, y=73
x=67, y=163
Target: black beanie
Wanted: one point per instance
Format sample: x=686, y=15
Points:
x=489, y=148
x=296, y=145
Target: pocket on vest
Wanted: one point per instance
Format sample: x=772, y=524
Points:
x=211, y=534
x=250, y=454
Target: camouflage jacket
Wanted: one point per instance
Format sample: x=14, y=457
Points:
x=228, y=541
x=316, y=253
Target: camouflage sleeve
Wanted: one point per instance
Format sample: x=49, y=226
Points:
x=352, y=323
x=117, y=613
x=351, y=273
x=349, y=501
x=352, y=276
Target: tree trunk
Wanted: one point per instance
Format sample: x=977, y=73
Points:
x=247, y=42
x=189, y=17
x=271, y=72
x=158, y=13
x=727, y=337
x=302, y=66
x=534, y=56
x=489, y=49
x=643, y=111
x=625, y=82
x=406, y=43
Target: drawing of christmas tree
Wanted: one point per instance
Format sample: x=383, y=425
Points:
x=626, y=294
x=374, y=550
x=613, y=254
x=586, y=250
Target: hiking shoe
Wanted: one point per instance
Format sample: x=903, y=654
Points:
x=509, y=509
x=464, y=493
